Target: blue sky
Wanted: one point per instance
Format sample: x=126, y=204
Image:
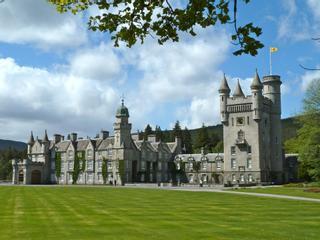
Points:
x=57, y=75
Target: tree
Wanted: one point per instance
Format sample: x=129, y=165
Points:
x=132, y=20
x=186, y=140
x=307, y=142
x=159, y=135
x=147, y=132
x=202, y=140
x=177, y=132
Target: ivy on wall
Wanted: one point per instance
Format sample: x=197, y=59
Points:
x=58, y=164
x=121, y=170
x=104, y=170
x=77, y=169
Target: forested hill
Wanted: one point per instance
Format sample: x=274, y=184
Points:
x=6, y=144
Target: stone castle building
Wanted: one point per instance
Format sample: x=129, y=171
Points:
x=77, y=160
x=252, y=149
x=251, y=135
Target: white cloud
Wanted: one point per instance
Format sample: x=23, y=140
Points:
x=308, y=77
x=314, y=6
x=34, y=98
x=37, y=22
x=99, y=63
x=294, y=25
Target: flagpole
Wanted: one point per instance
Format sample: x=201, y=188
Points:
x=270, y=62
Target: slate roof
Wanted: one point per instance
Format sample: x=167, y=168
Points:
x=104, y=144
x=63, y=146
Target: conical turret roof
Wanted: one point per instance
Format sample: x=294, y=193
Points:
x=31, y=139
x=256, y=83
x=224, y=87
x=45, y=138
x=238, y=91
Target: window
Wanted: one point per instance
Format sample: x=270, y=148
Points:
x=70, y=153
x=222, y=99
x=99, y=165
x=249, y=149
x=143, y=164
x=234, y=178
x=240, y=121
x=62, y=166
x=89, y=153
x=100, y=177
x=190, y=165
x=159, y=166
x=250, y=178
x=70, y=177
x=233, y=150
x=218, y=164
x=242, y=178
x=232, y=122
x=265, y=122
x=109, y=164
x=204, y=165
x=233, y=163
x=90, y=177
x=249, y=163
x=90, y=165
x=109, y=152
x=248, y=120
x=70, y=165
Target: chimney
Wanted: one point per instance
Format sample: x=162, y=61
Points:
x=73, y=137
x=104, y=134
x=152, y=138
x=57, y=138
x=135, y=136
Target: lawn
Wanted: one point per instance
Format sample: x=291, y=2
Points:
x=290, y=191
x=122, y=213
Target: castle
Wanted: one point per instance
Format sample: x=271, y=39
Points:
x=81, y=161
x=252, y=149
x=251, y=137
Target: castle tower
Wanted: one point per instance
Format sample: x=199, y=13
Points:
x=246, y=135
x=30, y=142
x=45, y=142
x=122, y=127
x=272, y=91
x=224, y=92
x=257, y=98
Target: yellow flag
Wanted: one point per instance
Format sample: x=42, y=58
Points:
x=273, y=49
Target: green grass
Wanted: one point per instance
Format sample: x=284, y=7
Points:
x=122, y=213
x=290, y=191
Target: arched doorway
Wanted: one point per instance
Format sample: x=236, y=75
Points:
x=21, y=176
x=35, y=177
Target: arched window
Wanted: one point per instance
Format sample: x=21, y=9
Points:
x=241, y=135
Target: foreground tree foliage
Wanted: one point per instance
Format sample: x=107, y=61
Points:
x=307, y=142
x=132, y=20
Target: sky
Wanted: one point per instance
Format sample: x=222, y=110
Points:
x=57, y=75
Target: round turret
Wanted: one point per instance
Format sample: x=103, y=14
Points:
x=122, y=111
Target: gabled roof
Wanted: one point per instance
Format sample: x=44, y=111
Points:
x=63, y=146
x=81, y=145
x=104, y=144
